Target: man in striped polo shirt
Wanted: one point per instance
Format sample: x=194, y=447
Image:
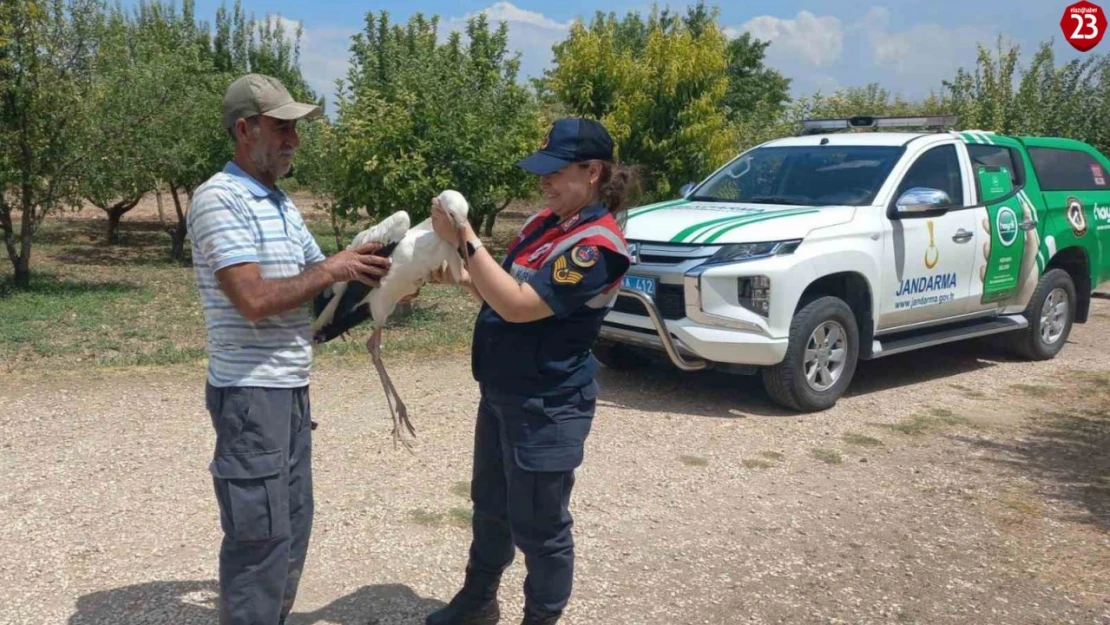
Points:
x=257, y=265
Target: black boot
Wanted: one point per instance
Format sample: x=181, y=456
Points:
x=475, y=604
x=535, y=617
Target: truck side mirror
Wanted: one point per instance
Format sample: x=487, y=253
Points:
x=922, y=202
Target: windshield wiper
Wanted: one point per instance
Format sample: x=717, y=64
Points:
x=710, y=198
x=775, y=199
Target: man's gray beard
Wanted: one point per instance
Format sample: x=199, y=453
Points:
x=263, y=164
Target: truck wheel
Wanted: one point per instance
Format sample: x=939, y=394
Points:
x=1050, y=314
x=820, y=359
x=618, y=357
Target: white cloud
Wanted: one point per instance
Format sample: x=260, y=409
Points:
x=531, y=34
x=816, y=40
x=509, y=12
x=926, y=52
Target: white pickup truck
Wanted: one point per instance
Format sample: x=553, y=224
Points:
x=804, y=254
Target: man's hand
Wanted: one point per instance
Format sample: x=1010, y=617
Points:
x=358, y=264
x=257, y=298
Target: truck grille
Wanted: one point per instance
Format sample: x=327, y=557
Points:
x=670, y=299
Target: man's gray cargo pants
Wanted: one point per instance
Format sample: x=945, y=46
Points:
x=262, y=472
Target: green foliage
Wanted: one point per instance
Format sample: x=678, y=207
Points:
x=416, y=117
x=1050, y=100
x=673, y=91
x=755, y=93
x=45, y=61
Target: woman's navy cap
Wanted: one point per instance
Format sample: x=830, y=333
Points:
x=570, y=140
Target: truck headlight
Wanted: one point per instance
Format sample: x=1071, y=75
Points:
x=737, y=252
x=754, y=293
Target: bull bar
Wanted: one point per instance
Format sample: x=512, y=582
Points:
x=685, y=364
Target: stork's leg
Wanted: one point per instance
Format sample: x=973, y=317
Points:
x=400, y=415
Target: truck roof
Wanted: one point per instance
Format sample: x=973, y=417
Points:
x=853, y=138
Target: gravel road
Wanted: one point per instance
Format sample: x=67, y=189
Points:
x=953, y=485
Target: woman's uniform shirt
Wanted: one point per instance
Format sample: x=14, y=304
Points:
x=576, y=267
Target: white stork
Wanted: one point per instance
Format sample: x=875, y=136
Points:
x=416, y=252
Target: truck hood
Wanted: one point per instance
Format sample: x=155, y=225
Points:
x=716, y=223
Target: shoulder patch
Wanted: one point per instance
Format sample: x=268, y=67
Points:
x=562, y=274
x=540, y=251
x=570, y=223
x=584, y=255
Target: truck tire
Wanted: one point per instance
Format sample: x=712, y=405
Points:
x=1050, y=314
x=618, y=357
x=810, y=378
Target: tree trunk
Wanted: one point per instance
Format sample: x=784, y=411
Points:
x=113, y=226
x=161, y=213
x=487, y=229
x=22, y=278
x=115, y=212
x=178, y=232
x=9, y=231
x=336, y=229
x=26, y=230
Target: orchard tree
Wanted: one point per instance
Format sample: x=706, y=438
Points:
x=45, y=69
x=659, y=86
x=416, y=116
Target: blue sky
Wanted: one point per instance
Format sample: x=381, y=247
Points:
x=821, y=44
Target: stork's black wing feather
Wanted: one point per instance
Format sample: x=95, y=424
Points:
x=347, y=314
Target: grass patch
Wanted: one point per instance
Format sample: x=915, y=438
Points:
x=756, y=463
x=773, y=455
x=1099, y=380
x=1033, y=390
x=459, y=517
x=461, y=489
x=929, y=422
x=828, y=456
x=861, y=441
x=425, y=517
x=1023, y=504
x=128, y=304
x=968, y=392
x=693, y=461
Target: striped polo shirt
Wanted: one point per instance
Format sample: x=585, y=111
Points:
x=235, y=219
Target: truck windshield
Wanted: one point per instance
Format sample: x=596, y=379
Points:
x=803, y=175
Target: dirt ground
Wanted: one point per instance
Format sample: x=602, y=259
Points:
x=953, y=485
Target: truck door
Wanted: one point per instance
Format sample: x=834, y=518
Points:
x=1006, y=242
x=928, y=257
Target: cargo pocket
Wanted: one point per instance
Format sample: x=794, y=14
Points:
x=539, y=491
x=252, y=495
x=548, y=458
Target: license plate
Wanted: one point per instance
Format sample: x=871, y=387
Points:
x=641, y=284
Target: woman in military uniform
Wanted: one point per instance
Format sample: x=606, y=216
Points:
x=541, y=313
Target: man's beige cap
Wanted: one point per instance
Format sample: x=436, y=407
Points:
x=258, y=94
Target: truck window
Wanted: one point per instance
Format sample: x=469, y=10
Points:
x=1060, y=169
x=804, y=175
x=938, y=168
x=995, y=156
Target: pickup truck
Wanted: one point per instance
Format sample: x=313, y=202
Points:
x=804, y=254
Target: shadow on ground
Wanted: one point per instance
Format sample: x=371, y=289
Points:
x=1068, y=454
x=663, y=388
x=194, y=602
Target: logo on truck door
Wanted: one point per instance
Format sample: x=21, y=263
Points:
x=1076, y=217
x=932, y=250
x=1007, y=224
